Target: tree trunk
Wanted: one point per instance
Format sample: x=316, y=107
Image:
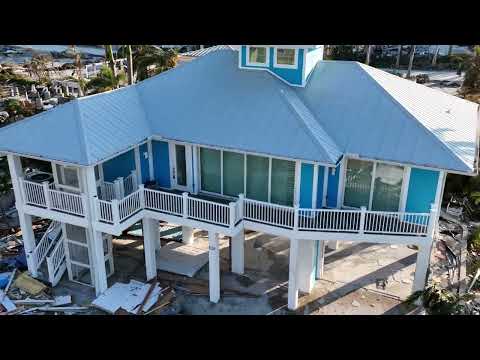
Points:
x=129, y=65
x=110, y=59
x=435, y=55
x=369, y=52
x=450, y=49
x=397, y=64
x=410, y=63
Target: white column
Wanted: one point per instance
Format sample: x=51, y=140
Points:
x=150, y=160
x=306, y=265
x=293, y=276
x=98, y=257
x=421, y=268
x=138, y=166
x=238, y=253
x=196, y=185
x=28, y=238
x=151, y=236
x=214, y=266
x=16, y=172
x=320, y=258
x=187, y=235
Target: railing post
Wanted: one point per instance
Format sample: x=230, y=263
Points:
x=232, y=214
x=133, y=173
x=185, y=204
x=363, y=212
x=85, y=206
x=115, y=212
x=46, y=193
x=296, y=215
x=141, y=187
x=241, y=200
x=432, y=220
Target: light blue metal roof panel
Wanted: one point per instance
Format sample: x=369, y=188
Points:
x=212, y=102
x=112, y=122
x=53, y=135
x=364, y=119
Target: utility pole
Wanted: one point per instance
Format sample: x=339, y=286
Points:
x=129, y=65
x=435, y=55
x=369, y=52
x=397, y=64
x=410, y=63
x=78, y=63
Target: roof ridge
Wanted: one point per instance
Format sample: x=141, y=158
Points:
x=417, y=123
x=309, y=125
x=81, y=130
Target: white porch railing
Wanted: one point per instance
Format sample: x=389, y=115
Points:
x=120, y=188
x=287, y=217
x=45, y=195
x=45, y=243
x=107, y=190
x=130, y=183
x=56, y=263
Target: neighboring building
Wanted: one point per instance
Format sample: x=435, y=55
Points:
x=268, y=138
x=191, y=55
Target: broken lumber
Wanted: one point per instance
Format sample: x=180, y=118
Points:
x=147, y=295
x=29, y=284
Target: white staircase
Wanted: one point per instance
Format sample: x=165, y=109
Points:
x=50, y=249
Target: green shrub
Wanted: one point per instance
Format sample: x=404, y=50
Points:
x=474, y=241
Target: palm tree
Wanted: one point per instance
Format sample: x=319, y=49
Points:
x=105, y=80
x=410, y=63
x=435, y=55
x=369, y=52
x=129, y=65
x=110, y=59
x=144, y=57
x=397, y=65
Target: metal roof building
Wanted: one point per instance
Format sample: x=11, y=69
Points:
x=346, y=108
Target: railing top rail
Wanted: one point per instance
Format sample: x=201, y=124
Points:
x=269, y=204
x=66, y=193
x=208, y=201
x=31, y=182
x=163, y=192
x=129, y=196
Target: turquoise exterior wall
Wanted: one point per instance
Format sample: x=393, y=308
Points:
x=144, y=163
x=332, y=188
x=161, y=163
x=321, y=174
x=120, y=166
x=293, y=76
x=422, y=189
x=306, y=185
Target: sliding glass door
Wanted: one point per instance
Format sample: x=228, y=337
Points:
x=381, y=194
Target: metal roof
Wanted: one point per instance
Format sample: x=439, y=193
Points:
x=346, y=108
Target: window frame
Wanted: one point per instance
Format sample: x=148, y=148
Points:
x=285, y=66
x=61, y=177
x=403, y=191
x=222, y=195
x=267, y=57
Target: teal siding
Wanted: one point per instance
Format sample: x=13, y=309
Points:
x=422, y=189
x=120, y=166
x=293, y=76
x=161, y=163
x=332, y=187
x=321, y=175
x=306, y=185
x=144, y=163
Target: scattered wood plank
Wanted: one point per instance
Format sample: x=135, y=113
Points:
x=29, y=284
x=149, y=292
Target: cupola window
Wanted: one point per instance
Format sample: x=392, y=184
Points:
x=257, y=55
x=285, y=58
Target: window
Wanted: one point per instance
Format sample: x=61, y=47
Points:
x=285, y=57
x=257, y=55
x=387, y=185
x=210, y=170
x=357, y=183
x=68, y=176
x=257, y=178
x=283, y=182
x=233, y=173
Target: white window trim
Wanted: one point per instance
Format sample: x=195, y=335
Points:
x=61, y=177
x=403, y=190
x=285, y=66
x=267, y=58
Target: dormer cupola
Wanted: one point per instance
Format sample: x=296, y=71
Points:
x=291, y=63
